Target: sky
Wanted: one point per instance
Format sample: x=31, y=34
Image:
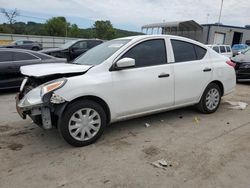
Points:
x=130, y=14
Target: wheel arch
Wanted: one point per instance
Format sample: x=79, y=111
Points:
x=96, y=99
x=220, y=84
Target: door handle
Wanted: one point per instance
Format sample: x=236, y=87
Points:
x=163, y=75
x=207, y=70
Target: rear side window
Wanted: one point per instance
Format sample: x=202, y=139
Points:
x=222, y=49
x=228, y=49
x=20, y=56
x=216, y=48
x=185, y=51
x=5, y=56
x=148, y=53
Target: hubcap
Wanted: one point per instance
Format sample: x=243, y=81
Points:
x=84, y=124
x=212, y=99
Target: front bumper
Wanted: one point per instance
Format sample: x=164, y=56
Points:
x=38, y=108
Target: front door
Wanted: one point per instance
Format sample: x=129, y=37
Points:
x=149, y=85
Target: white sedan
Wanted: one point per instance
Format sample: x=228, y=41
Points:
x=122, y=79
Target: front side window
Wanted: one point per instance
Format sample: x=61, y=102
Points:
x=216, y=48
x=148, y=53
x=5, y=56
x=20, y=56
x=185, y=51
x=222, y=49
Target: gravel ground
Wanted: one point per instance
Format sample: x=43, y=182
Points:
x=200, y=150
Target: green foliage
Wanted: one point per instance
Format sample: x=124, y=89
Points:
x=58, y=26
x=104, y=30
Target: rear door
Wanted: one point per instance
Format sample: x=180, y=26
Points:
x=7, y=70
x=192, y=71
x=147, y=86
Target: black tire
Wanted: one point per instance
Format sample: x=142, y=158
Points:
x=70, y=110
x=201, y=106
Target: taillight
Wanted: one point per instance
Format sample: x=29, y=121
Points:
x=229, y=62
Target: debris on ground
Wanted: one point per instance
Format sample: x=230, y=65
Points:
x=162, y=163
x=162, y=120
x=196, y=120
x=237, y=105
x=147, y=125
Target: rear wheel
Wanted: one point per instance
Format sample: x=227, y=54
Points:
x=83, y=122
x=210, y=99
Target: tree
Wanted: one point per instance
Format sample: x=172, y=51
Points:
x=104, y=30
x=57, y=26
x=74, y=31
x=11, y=15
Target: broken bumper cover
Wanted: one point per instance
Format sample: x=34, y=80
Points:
x=35, y=105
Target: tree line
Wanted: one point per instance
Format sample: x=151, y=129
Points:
x=59, y=26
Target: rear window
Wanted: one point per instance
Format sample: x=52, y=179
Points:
x=42, y=56
x=185, y=51
x=222, y=49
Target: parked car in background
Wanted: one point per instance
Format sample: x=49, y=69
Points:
x=222, y=49
x=238, y=48
x=24, y=44
x=73, y=49
x=121, y=79
x=12, y=59
x=242, y=65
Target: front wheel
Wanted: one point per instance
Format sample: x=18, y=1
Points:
x=83, y=122
x=210, y=99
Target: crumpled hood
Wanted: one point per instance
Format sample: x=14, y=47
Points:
x=241, y=58
x=41, y=70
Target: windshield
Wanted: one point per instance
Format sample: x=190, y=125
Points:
x=100, y=53
x=67, y=44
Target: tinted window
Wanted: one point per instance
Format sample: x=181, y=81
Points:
x=92, y=44
x=19, y=56
x=216, y=48
x=185, y=51
x=5, y=56
x=42, y=56
x=222, y=49
x=27, y=42
x=228, y=49
x=200, y=52
x=81, y=45
x=148, y=53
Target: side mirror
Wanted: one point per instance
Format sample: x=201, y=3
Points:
x=125, y=63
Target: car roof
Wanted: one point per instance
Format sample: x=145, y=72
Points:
x=24, y=51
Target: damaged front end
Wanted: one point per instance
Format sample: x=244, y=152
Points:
x=40, y=103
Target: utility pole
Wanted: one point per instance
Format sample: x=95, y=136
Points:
x=220, y=12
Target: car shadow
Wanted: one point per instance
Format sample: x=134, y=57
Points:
x=8, y=91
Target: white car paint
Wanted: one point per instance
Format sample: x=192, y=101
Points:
x=135, y=92
x=52, y=68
